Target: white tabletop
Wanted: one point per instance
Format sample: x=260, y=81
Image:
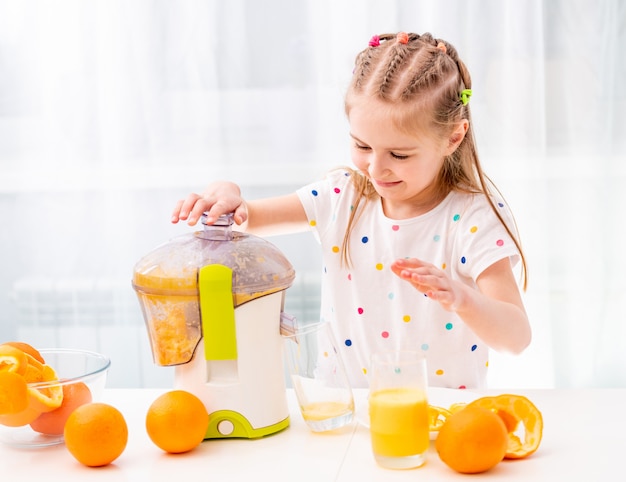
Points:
x=583, y=439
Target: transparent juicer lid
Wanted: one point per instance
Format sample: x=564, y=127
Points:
x=166, y=282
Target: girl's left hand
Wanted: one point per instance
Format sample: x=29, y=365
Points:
x=430, y=280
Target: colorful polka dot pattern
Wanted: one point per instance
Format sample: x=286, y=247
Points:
x=363, y=301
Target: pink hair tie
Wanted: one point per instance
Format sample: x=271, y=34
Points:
x=374, y=41
x=403, y=38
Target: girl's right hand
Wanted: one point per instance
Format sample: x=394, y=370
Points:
x=217, y=199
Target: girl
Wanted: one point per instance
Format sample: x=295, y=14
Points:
x=418, y=249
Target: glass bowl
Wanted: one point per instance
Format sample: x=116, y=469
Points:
x=80, y=378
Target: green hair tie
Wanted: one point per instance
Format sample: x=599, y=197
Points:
x=465, y=96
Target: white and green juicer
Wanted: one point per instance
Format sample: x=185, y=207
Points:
x=212, y=302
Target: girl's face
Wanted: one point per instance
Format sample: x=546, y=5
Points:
x=403, y=168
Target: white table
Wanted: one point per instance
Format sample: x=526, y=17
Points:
x=583, y=440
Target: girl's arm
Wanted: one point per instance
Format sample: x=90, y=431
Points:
x=278, y=215
x=494, y=311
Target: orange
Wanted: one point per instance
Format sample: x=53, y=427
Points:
x=52, y=423
x=522, y=420
x=28, y=349
x=13, y=393
x=34, y=370
x=41, y=397
x=437, y=416
x=457, y=407
x=472, y=440
x=12, y=359
x=45, y=396
x=177, y=421
x=23, y=359
x=21, y=418
x=96, y=434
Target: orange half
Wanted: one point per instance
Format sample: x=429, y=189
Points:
x=523, y=421
x=34, y=372
x=47, y=397
x=437, y=416
x=13, y=393
x=26, y=348
x=12, y=359
x=41, y=397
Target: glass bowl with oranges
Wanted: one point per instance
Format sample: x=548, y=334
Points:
x=39, y=389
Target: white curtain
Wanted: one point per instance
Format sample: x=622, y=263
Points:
x=111, y=110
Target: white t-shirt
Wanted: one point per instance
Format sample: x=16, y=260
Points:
x=371, y=309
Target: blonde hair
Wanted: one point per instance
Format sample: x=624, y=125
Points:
x=422, y=79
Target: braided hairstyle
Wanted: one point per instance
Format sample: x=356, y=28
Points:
x=423, y=78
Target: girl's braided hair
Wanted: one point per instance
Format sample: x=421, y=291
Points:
x=429, y=86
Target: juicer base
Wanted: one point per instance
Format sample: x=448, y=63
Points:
x=229, y=424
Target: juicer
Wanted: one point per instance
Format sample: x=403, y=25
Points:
x=212, y=303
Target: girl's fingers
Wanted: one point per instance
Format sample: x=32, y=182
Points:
x=176, y=215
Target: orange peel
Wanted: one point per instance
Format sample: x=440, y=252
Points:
x=13, y=393
x=44, y=396
x=437, y=416
x=457, y=407
x=34, y=372
x=40, y=397
x=516, y=411
x=26, y=348
x=12, y=359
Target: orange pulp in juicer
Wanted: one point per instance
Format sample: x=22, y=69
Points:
x=172, y=306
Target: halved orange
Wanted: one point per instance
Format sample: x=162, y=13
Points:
x=457, y=407
x=437, y=416
x=522, y=419
x=12, y=359
x=13, y=393
x=41, y=397
x=26, y=348
x=45, y=397
x=20, y=419
x=34, y=370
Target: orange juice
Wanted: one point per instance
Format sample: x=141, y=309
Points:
x=399, y=422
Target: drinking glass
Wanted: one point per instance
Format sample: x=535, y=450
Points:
x=318, y=377
x=398, y=409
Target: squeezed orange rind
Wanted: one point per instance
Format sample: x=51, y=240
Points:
x=28, y=349
x=12, y=359
x=457, y=407
x=44, y=396
x=13, y=393
x=25, y=388
x=523, y=421
x=437, y=416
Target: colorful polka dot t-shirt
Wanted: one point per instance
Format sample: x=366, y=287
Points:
x=371, y=309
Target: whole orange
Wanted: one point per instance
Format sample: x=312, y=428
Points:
x=177, y=421
x=472, y=440
x=53, y=423
x=96, y=434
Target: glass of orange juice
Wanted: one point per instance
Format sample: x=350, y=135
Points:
x=318, y=377
x=398, y=409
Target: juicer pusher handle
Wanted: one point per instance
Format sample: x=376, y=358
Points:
x=220, y=230
x=227, y=219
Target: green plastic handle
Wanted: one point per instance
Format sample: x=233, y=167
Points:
x=215, y=284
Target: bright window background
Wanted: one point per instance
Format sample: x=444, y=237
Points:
x=110, y=111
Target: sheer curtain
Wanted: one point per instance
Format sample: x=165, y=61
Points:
x=110, y=111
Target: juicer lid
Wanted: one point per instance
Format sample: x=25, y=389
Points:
x=258, y=267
